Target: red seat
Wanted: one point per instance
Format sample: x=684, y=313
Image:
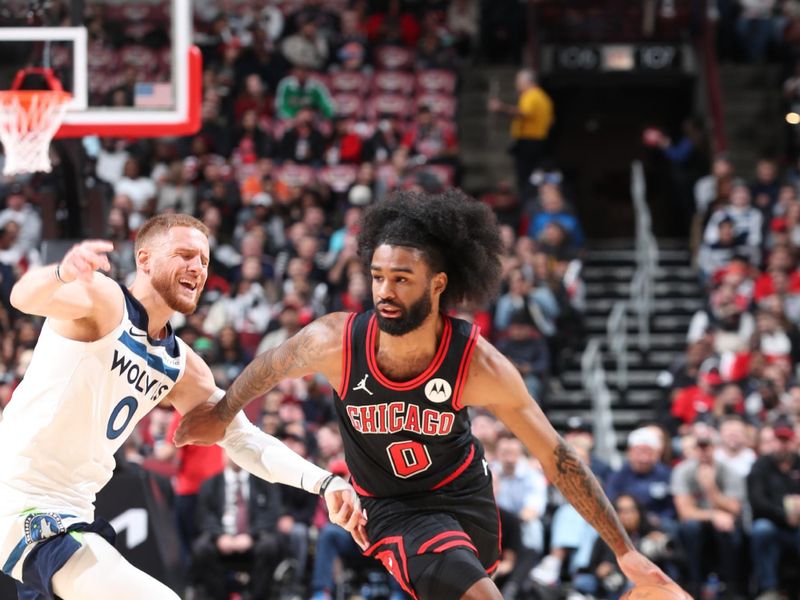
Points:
x=393, y=82
x=349, y=81
x=296, y=175
x=61, y=56
x=132, y=11
x=394, y=57
x=436, y=81
x=100, y=56
x=139, y=56
x=393, y=105
x=441, y=105
x=339, y=177
x=348, y=105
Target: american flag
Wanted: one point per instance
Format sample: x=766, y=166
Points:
x=152, y=95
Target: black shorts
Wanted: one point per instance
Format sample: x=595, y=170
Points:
x=437, y=545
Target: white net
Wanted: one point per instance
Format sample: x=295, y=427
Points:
x=28, y=122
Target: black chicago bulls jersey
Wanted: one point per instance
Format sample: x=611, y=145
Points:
x=413, y=436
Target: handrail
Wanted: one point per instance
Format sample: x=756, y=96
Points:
x=594, y=382
x=642, y=289
x=617, y=334
x=642, y=292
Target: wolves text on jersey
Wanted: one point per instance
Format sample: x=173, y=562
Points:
x=138, y=377
x=399, y=416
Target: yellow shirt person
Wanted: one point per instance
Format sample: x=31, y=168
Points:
x=535, y=115
x=531, y=119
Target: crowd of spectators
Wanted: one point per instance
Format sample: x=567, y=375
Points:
x=731, y=399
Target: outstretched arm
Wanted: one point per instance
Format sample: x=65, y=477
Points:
x=495, y=383
x=314, y=349
x=265, y=456
x=83, y=305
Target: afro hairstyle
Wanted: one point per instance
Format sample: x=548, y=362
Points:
x=457, y=235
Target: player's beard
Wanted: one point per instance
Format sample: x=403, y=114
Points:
x=410, y=318
x=164, y=284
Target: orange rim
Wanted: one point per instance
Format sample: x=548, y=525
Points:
x=26, y=97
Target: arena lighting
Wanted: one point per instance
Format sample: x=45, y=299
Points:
x=792, y=118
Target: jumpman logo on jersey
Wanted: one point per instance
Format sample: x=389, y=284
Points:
x=362, y=385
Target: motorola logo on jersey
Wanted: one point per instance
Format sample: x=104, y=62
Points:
x=438, y=390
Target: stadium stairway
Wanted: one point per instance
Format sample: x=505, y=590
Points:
x=607, y=271
x=484, y=138
x=752, y=101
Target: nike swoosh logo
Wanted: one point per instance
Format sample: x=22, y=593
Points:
x=133, y=332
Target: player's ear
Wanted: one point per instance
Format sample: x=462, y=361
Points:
x=439, y=283
x=143, y=260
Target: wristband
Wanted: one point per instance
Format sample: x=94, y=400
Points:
x=58, y=273
x=325, y=483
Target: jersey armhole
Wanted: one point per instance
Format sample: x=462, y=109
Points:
x=463, y=368
x=347, y=355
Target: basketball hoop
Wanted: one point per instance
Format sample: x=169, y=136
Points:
x=28, y=121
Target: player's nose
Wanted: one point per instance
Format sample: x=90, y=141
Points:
x=385, y=291
x=195, y=265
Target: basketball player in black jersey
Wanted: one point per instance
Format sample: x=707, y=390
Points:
x=404, y=375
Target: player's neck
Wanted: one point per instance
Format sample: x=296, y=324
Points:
x=158, y=313
x=423, y=338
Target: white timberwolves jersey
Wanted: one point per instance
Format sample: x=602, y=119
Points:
x=75, y=407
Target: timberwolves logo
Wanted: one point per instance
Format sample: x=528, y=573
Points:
x=41, y=526
x=438, y=390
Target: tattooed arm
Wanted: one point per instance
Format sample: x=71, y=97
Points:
x=316, y=348
x=496, y=384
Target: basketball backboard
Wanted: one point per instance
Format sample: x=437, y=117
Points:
x=129, y=64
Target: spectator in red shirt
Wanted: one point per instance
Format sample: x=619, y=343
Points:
x=393, y=26
x=428, y=140
x=253, y=97
x=779, y=259
x=345, y=147
x=690, y=401
x=196, y=464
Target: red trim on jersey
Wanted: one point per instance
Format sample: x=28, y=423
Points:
x=347, y=355
x=463, y=368
x=400, y=575
x=402, y=386
x=493, y=568
x=456, y=544
x=361, y=491
x=439, y=536
x=458, y=471
x=499, y=534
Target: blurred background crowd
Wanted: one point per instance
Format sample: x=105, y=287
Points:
x=314, y=110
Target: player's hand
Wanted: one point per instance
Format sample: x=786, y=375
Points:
x=82, y=260
x=344, y=509
x=641, y=571
x=201, y=426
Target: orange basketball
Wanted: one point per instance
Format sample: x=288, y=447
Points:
x=654, y=592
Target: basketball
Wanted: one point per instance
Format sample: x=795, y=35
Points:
x=653, y=592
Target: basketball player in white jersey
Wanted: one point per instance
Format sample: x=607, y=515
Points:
x=106, y=356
